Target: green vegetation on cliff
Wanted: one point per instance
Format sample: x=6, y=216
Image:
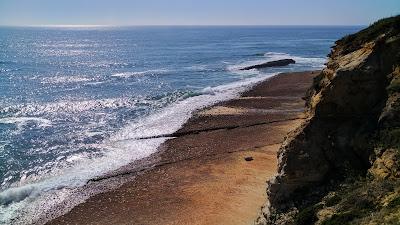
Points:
x=389, y=26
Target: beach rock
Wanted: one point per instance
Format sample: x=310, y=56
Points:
x=276, y=63
x=353, y=107
x=249, y=158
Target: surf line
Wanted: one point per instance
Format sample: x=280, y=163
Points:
x=191, y=132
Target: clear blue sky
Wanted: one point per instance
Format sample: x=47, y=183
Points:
x=195, y=12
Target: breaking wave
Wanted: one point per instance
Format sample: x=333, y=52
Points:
x=140, y=73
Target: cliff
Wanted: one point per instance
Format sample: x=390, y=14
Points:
x=343, y=164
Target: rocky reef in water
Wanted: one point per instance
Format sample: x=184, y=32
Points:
x=342, y=166
x=276, y=63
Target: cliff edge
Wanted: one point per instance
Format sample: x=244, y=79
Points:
x=343, y=164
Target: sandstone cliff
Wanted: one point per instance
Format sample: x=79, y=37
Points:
x=343, y=163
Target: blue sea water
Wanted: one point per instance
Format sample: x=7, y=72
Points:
x=75, y=100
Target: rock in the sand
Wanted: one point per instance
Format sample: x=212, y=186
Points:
x=249, y=158
x=281, y=62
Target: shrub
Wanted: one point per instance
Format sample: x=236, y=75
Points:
x=394, y=86
x=341, y=219
x=395, y=202
x=333, y=200
x=307, y=215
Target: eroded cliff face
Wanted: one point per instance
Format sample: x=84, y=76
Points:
x=351, y=136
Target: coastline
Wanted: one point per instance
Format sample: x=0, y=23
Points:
x=201, y=176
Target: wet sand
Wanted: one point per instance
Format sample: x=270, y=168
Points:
x=202, y=176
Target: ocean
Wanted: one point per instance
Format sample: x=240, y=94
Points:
x=77, y=101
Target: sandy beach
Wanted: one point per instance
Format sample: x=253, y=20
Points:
x=215, y=169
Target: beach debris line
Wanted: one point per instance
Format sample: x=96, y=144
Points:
x=276, y=63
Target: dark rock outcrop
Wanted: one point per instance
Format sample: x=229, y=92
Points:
x=352, y=130
x=281, y=62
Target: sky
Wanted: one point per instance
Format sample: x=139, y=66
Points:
x=195, y=12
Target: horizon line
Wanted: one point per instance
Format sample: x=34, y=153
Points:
x=168, y=25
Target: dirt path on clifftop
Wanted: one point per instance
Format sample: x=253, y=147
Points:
x=203, y=177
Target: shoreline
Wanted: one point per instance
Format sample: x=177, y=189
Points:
x=201, y=176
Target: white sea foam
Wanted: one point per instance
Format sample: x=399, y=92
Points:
x=95, y=83
x=65, y=79
x=198, y=67
x=65, y=52
x=4, y=70
x=22, y=121
x=27, y=199
x=69, y=106
x=307, y=62
x=31, y=199
x=106, y=64
x=96, y=64
x=140, y=73
x=312, y=61
x=236, y=68
x=64, y=44
x=179, y=112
